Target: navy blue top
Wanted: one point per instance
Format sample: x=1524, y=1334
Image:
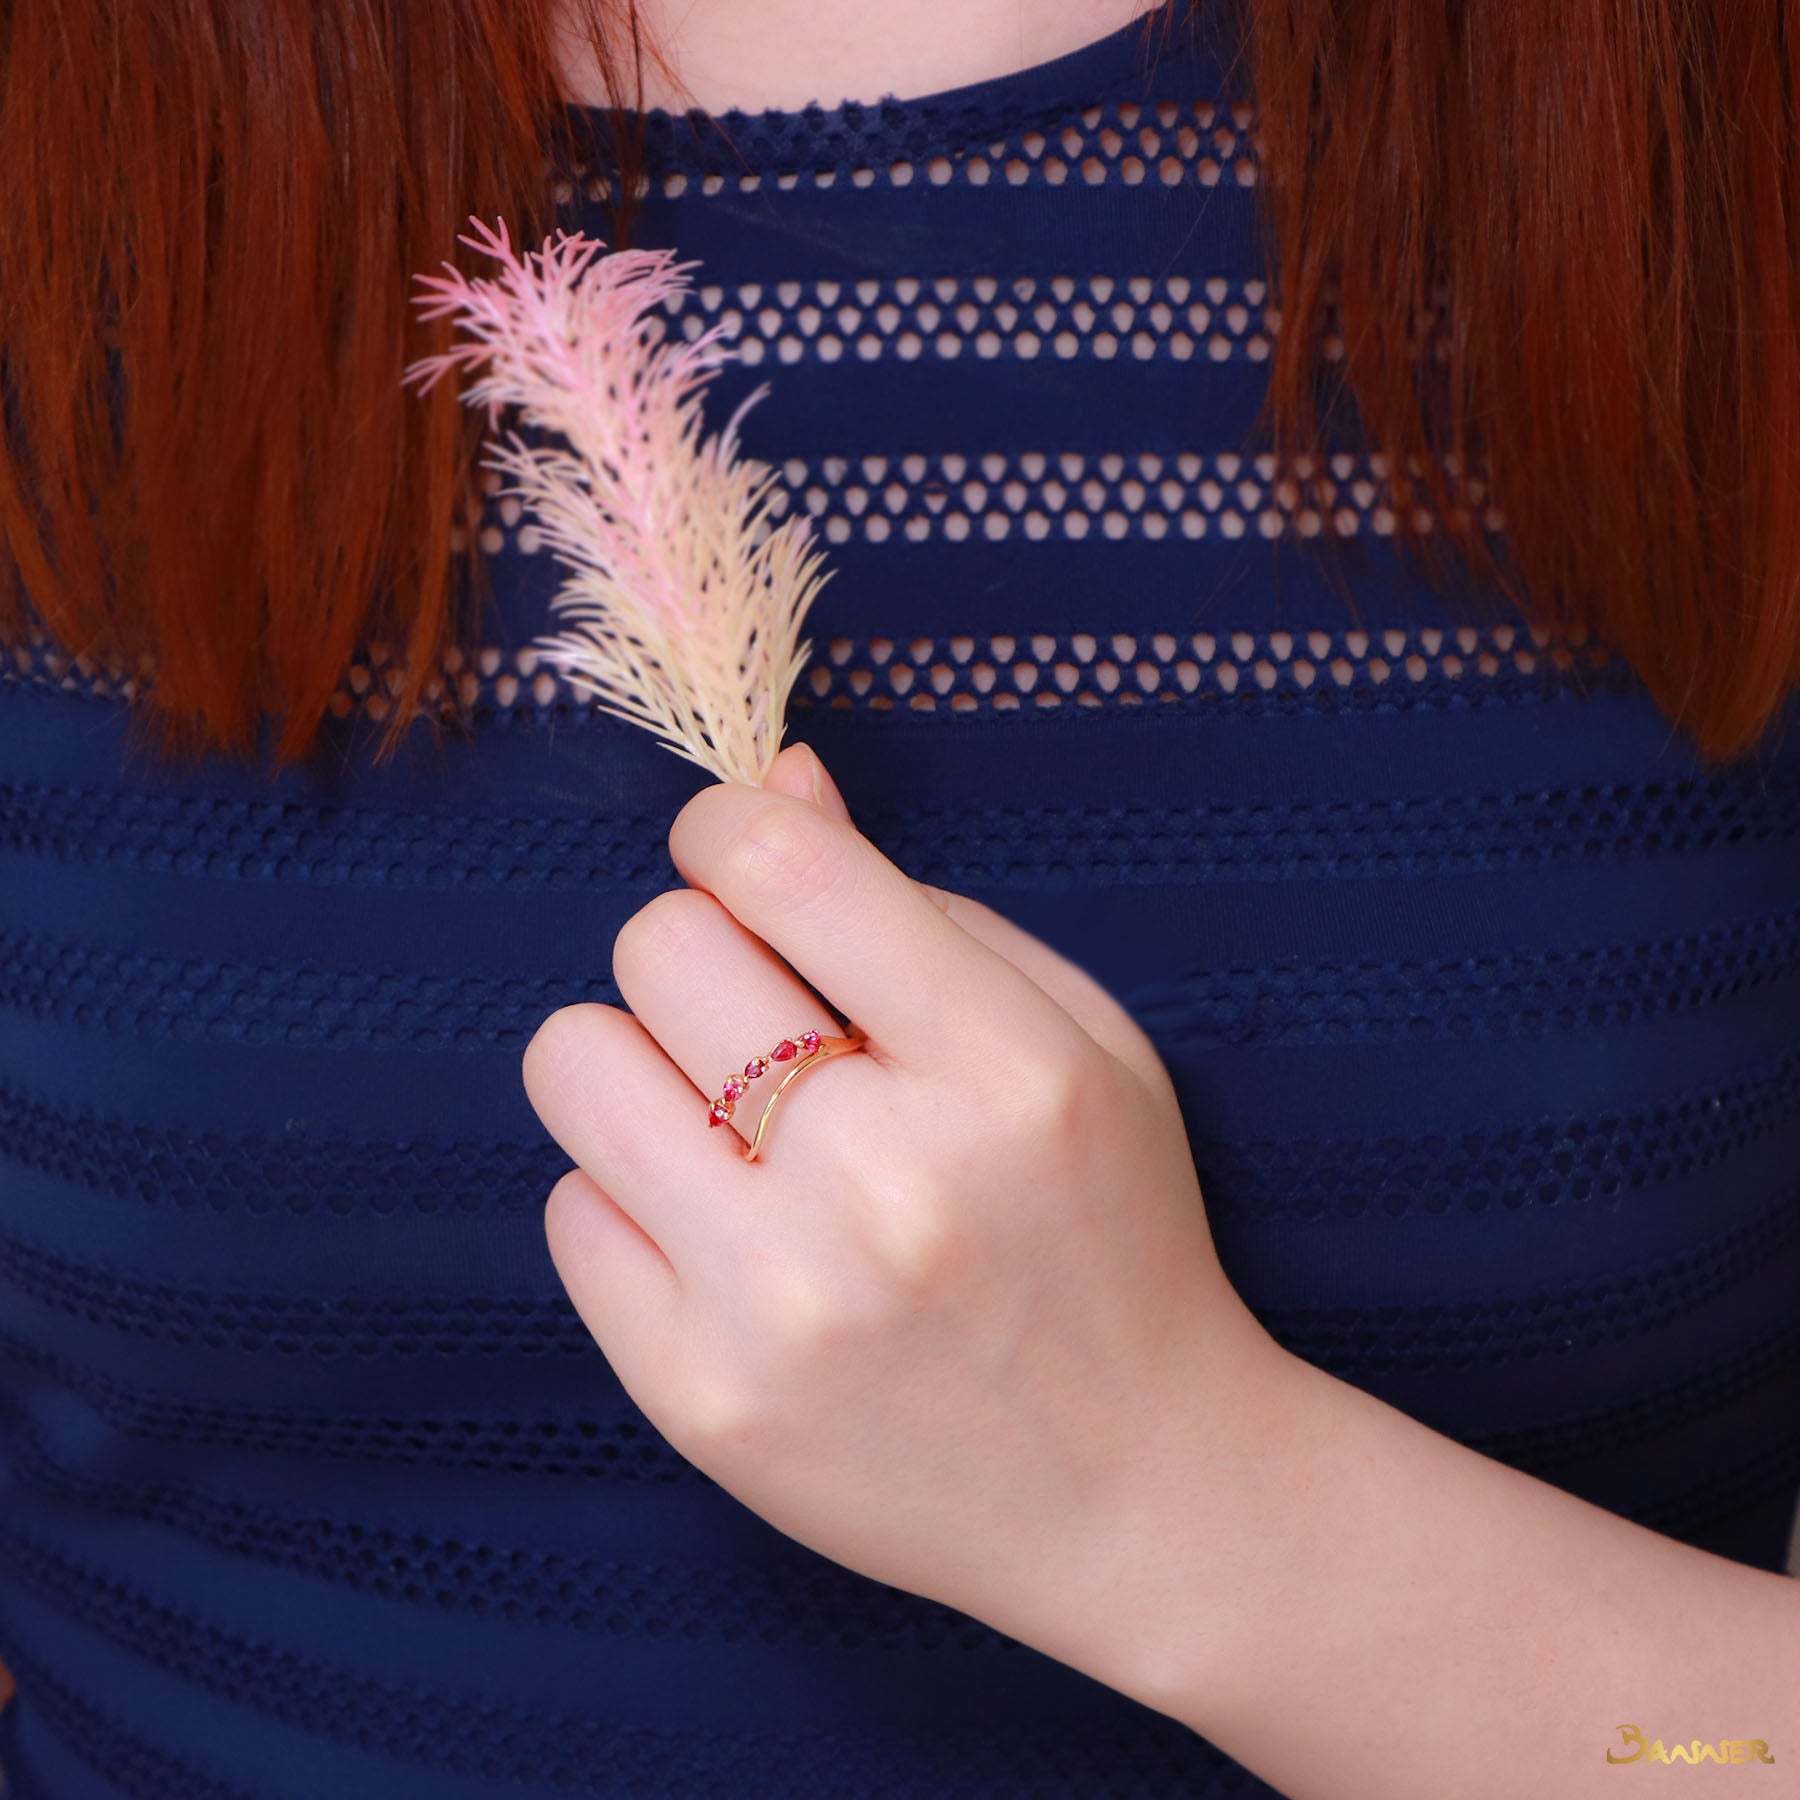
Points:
x=1479, y=994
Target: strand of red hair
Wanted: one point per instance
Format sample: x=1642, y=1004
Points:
x=1591, y=204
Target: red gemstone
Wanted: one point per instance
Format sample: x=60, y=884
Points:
x=754, y=1067
x=721, y=1111
x=809, y=1041
x=734, y=1085
x=785, y=1051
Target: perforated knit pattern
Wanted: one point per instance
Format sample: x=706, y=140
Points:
x=133, y=1765
x=1599, y=1157
x=1004, y=674
x=619, y=1448
x=899, y=144
x=196, y=998
x=809, y=1604
x=1772, y=1360
x=1495, y=993
x=813, y=1605
x=221, y=1171
x=373, y=1325
x=200, y=999
x=996, y=845
x=1141, y=317
x=571, y=1751
x=1479, y=994
x=1589, y=1156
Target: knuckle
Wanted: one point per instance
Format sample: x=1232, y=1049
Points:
x=560, y=1048
x=666, y=928
x=1065, y=1092
x=720, y=1412
x=801, y=1317
x=1048, y=1090
x=782, y=854
x=920, y=1243
x=917, y=1233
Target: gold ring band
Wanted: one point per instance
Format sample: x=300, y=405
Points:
x=804, y=1050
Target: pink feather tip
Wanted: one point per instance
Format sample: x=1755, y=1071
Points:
x=685, y=599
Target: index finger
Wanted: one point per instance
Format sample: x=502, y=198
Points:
x=859, y=928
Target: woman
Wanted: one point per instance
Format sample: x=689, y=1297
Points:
x=1299, y=1292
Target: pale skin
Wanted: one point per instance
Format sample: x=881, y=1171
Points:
x=717, y=54
x=962, y=1329
x=1059, y=1417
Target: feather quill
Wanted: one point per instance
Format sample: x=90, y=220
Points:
x=685, y=598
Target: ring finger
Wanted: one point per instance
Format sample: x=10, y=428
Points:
x=716, y=997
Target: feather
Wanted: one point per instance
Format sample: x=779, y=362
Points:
x=685, y=600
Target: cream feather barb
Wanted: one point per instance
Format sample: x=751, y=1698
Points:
x=685, y=598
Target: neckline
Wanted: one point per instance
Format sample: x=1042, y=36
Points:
x=1082, y=75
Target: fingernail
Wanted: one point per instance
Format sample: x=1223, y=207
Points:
x=824, y=789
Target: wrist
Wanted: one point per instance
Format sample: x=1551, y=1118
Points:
x=1218, y=1525
x=1184, y=1552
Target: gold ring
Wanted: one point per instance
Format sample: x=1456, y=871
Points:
x=803, y=1050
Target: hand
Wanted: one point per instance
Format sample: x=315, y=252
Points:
x=942, y=1319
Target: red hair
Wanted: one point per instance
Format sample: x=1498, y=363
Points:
x=229, y=197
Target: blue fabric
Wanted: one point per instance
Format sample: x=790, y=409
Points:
x=1480, y=994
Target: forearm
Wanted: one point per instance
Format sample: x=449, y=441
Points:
x=1377, y=1613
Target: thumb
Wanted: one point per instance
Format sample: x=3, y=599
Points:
x=798, y=772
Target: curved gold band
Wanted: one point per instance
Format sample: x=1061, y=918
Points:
x=828, y=1048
